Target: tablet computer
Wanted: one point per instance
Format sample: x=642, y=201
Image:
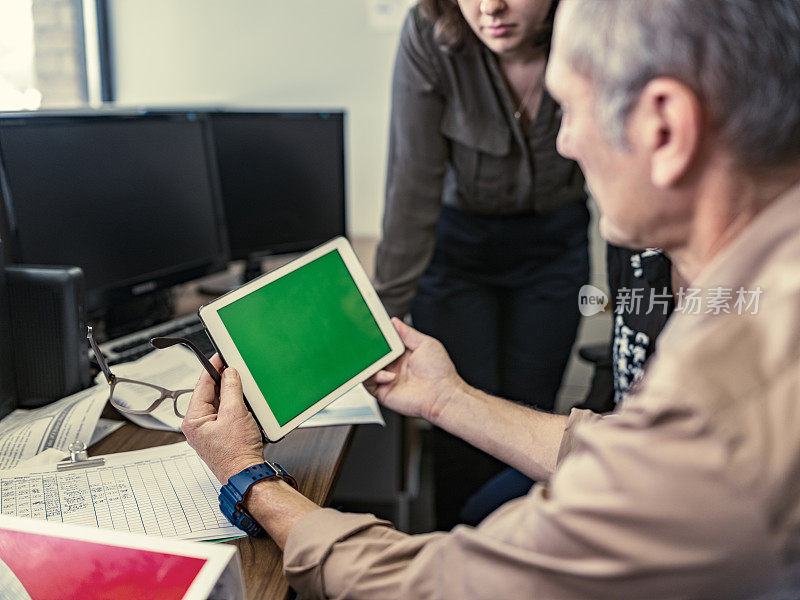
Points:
x=302, y=335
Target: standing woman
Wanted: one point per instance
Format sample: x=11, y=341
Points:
x=484, y=231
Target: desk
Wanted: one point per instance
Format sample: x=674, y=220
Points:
x=312, y=455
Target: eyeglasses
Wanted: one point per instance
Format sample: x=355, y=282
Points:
x=139, y=397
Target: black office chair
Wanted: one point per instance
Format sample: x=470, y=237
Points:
x=600, y=397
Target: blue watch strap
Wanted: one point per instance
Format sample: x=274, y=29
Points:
x=232, y=493
x=266, y=470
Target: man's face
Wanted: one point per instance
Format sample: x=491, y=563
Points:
x=617, y=178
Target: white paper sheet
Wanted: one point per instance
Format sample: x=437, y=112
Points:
x=43, y=460
x=356, y=407
x=176, y=368
x=104, y=428
x=26, y=433
x=11, y=587
x=51, y=456
x=166, y=491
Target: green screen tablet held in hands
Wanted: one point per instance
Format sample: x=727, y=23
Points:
x=302, y=335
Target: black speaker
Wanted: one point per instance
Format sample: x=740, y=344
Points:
x=48, y=332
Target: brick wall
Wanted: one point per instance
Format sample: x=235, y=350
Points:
x=59, y=61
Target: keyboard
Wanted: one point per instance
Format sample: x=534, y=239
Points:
x=137, y=344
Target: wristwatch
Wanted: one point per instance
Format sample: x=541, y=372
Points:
x=232, y=494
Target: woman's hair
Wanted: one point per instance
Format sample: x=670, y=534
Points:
x=451, y=30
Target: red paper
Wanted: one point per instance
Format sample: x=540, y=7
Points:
x=54, y=568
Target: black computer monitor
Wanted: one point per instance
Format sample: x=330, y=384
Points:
x=282, y=179
x=132, y=199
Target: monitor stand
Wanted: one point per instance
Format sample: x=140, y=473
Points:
x=138, y=313
x=252, y=269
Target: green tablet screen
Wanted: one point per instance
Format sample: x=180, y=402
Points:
x=304, y=334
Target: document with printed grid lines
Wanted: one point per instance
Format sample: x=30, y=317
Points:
x=165, y=491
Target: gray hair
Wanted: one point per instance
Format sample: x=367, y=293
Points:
x=741, y=58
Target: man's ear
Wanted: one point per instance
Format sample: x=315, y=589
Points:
x=670, y=120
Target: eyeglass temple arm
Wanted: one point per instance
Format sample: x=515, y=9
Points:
x=166, y=342
x=99, y=355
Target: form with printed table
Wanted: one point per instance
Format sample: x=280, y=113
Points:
x=166, y=491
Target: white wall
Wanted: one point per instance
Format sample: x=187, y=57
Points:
x=272, y=54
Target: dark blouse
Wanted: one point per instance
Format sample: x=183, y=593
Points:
x=454, y=140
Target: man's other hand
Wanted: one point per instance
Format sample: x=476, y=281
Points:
x=419, y=383
x=220, y=428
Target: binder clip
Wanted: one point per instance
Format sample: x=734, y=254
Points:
x=78, y=458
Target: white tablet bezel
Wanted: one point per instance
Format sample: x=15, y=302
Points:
x=259, y=406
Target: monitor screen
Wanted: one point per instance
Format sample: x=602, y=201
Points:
x=282, y=179
x=131, y=199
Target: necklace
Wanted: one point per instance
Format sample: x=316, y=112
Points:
x=525, y=98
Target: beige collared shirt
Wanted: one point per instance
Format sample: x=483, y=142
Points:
x=691, y=490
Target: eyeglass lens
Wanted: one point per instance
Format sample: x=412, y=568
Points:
x=139, y=397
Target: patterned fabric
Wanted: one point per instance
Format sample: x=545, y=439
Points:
x=641, y=293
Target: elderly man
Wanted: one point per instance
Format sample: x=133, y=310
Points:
x=685, y=118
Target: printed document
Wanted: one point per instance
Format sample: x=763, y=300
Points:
x=166, y=491
x=26, y=433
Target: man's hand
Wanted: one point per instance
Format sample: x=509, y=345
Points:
x=419, y=383
x=226, y=438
